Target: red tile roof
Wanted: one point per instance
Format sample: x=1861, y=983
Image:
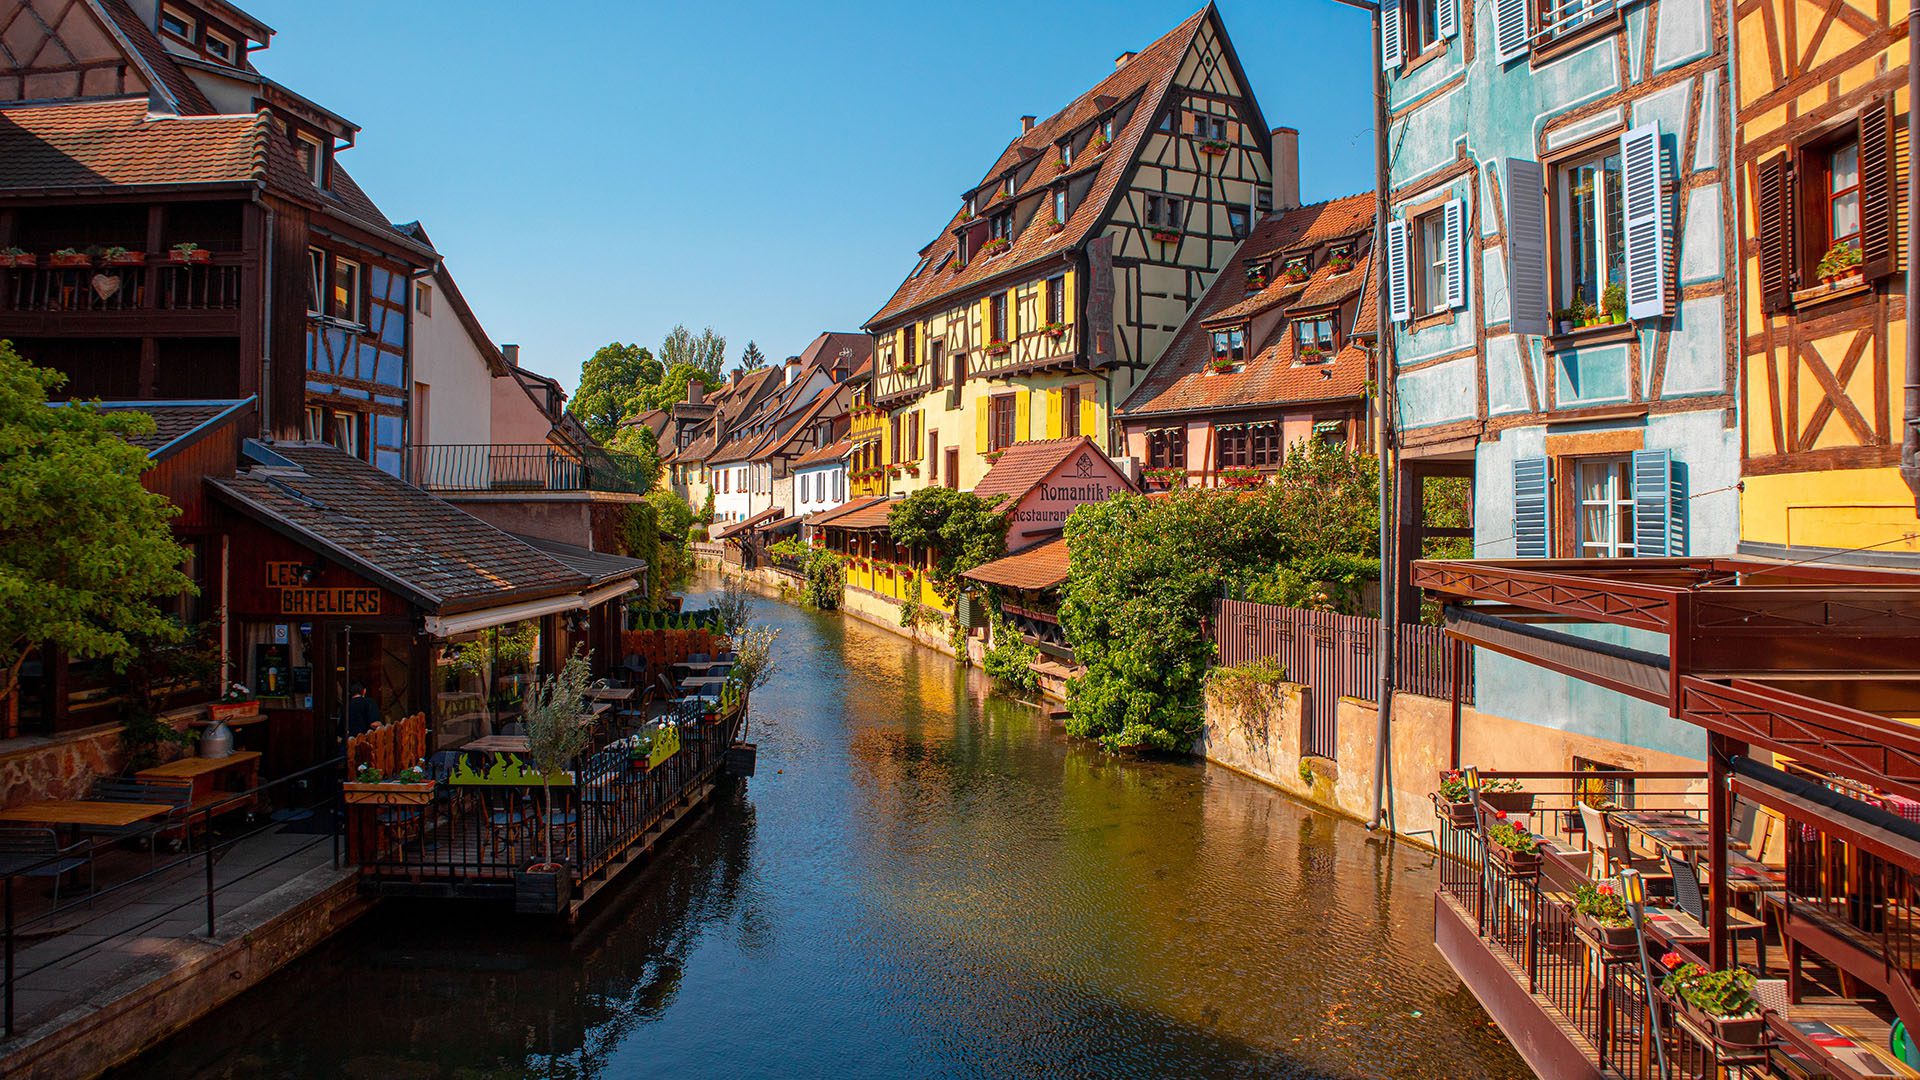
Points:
x=1042, y=566
x=1183, y=380
x=869, y=513
x=747, y=524
x=1023, y=465
x=112, y=143
x=833, y=452
x=1147, y=77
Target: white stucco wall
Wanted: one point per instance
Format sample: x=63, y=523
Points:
x=459, y=384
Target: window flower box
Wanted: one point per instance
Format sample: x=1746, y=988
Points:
x=1242, y=477
x=1098, y=143
x=1604, y=915
x=1294, y=274
x=1340, y=264
x=1053, y=226
x=68, y=258
x=998, y=347
x=1165, y=477
x=913, y=470
x=996, y=246
x=1718, y=1002
x=14, y=257
x=220, y=712
x=1256, y=280
x=1054, y=330
x=1312, y=354
x=190, y=253
x=1215, y=146
x=992, y=456
x=1223, y=365
x=117, y=256
x=1166, y=236
x=1513, y=849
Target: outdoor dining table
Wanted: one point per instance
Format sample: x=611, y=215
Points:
x=97, y=813
x=701, y=682
x=499, y=744
x=611, y=693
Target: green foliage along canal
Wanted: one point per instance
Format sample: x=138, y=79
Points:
x=923, y=880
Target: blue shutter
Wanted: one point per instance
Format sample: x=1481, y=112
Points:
x=1449, y=18
x=1643, y=195
x=1399, y=295
x=1510, y=29
x=1456, y=228
x=1392, y=49
x=1656, y=527
x=1526, y=242
x=1532, y=508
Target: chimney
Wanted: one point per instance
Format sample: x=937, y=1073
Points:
x=793, y=370
x=1026, y=124
x=1286, y=169
x=1121, y=60
x=696, y=393
x=512, y=354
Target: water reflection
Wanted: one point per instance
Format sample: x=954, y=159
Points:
x=923, y=880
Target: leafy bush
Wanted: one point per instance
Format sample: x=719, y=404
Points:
x=1725, y=994
x=1145, y=572
x=825, y=572
x=961, y=528
x=1244, y=687
x=1009, y=660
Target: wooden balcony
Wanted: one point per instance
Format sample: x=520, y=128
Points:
x=189, y=299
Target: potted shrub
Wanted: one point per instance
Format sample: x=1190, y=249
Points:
x=1054, y=225
x=1720, y=1002
x=913, y=468
x=70, y=257
x=1166, y=236
x=1312, y=354
x=1840, y=263
x=1499, y=794
x=1614, y=300
x=1582, y=311
x=1097, y=143
x=1564, y=317
x=1060, y=163
x=238, y=702
x=408, y=787
x=996, y=246
x=187, y=252
x=992, y=456
x=1513, y=848
x=1054, y=329
x=555, y=737
x=998, y=347
x=119, y=256
x=1295, y=273
x=1601, y=912
x=17, y=257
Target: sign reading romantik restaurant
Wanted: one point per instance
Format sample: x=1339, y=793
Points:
x=1085, y=477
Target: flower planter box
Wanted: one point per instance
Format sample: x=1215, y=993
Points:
x=221, y=711
x=387, y=794
x=67, y=262
x=640, y=765
x=1738, y=1031
x=1222, y=367
x=1055, y=332
x=197, y=257
x=542, y=892
x=1519, y=864
x=22, y=261
x=1513, y=802
x=1611, y=938
x=1293, y=279
x=998, y=348
x=127, y=258
x=1214, y=146
x=1461, y=814
x=1165, y=236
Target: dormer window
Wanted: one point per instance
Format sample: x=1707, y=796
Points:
x=1009, y=185
x=1229, y=347
x=313, y=157
x=177, y=24
x=1060, y=205
x=1066, y=154
x=220, y=47
x=1315, y=338
x=1106, y=129
x=1000, y=226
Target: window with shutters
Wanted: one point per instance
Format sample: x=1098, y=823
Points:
x=1163, y=211
x=1603, y=507
x=1430, y=263
x=1057, y=300
x=1000, y=419
x=909, y=348
x=936, y=361
x=1832, y=185
x=1167, y=448
x=1422, y=20
x=1827, y=211
x=1069, y=412
x=1589, y=228
x=998, y=330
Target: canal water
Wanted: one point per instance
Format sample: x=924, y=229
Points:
x=924, y=880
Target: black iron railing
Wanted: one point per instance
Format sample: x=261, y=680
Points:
x=529, y=467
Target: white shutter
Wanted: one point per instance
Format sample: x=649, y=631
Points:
x=1392, y=51
x=1532, y=506
x=1449, y=18
x=1456, y=225
x=1526, y=247
x=1656, y=531
x=1510, y=29
x=1645, y=207
x=1399, y=296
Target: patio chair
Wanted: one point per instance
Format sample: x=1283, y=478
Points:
x=635, y=669
x=1611, y=840
x=35, y=851
x=177, y=794
x=1686, y=897
x=508, y=815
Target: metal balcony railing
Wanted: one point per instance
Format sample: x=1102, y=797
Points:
x=530, y=467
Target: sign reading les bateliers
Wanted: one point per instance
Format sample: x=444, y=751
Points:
x=298, y=598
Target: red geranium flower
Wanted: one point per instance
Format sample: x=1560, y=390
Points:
x=1501, y=814
x=1605, y=888
x=1671, y=960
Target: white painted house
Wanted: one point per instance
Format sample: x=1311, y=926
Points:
x=820, y=478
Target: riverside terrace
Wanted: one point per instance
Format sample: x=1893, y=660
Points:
x=1793, y=856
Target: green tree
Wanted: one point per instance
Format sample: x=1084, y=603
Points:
x=674, y=519
x=673, y=388
x=752, y=359
x=612, y=383
x=961, y=528
x=85, y=551
x=704, y=352
x=637, y=441
x=1145, y=572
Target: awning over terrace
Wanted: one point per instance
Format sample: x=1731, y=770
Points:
x=740, y=528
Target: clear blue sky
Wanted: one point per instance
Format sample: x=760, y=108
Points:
x=601, y=171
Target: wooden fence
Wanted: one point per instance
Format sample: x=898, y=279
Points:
x=1333, y=655
x=389, y=747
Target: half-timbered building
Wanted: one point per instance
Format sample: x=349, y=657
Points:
x=1280, y=349
x=1064, y=272
x=1823, y=109
x=1558, y=280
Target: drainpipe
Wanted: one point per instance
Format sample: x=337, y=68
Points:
x=1910, y=427
x=263, y=412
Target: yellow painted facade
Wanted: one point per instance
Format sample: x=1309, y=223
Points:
x=1821, y=364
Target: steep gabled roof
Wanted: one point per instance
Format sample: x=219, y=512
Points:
x=1182, y=380
x=94, y=144
x=1144, y=79
x=833, y=453
x=1024, y=465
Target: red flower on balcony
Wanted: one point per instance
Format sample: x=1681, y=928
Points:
x=1672, y=959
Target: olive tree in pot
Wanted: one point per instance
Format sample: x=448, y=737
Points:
x=555, y=737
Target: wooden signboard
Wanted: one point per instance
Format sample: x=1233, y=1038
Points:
x=338, y=601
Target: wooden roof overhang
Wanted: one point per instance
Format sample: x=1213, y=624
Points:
x=1810, y=662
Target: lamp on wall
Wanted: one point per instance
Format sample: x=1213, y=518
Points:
x=576, y=621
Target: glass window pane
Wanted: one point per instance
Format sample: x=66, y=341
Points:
x=1844, y=167
x=1846, y=216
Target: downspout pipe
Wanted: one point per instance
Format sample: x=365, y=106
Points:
x=1910, y=426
